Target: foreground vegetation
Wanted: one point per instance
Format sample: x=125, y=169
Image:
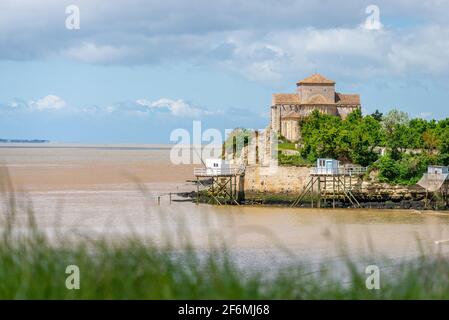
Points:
x=32, y=268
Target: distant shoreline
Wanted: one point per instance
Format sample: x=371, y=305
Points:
x=23, y=141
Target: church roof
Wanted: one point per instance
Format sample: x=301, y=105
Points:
x=294, y=99
x=351, y=99
x=316, y=79
x=341, y=99
x=285, y=98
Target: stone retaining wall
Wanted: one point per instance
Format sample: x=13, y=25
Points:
x=291, y=180
x=278, y=180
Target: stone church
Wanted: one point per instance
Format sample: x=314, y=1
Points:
x=313, y=93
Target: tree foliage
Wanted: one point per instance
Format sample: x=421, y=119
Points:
x=351, y=140
x=411, y=144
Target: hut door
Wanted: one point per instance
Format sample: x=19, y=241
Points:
x=328, y=166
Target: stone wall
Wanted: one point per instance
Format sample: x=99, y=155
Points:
x=291, y=180
x=283, y=180
x=290, y=129
x=307, y=91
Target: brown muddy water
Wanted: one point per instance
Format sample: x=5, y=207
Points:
x=112, y=191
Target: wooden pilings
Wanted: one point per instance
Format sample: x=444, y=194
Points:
x=197, y=190
x=221, y=190
x=318, y=186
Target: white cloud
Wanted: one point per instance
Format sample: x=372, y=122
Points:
x=425, y=50
x=49, y=102
x=266, y=41
x=90, y=52
x=178, y=108
x=140, y=108
x=109, y=109
x=282, y=54
x=352, y=52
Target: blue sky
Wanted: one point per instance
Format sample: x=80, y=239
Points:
x=136, y=70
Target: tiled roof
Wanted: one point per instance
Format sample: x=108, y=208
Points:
x=285, y=98
x=351, y=99
x=294, y=99
x=316, y=79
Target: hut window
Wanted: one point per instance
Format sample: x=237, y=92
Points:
x=322, y=163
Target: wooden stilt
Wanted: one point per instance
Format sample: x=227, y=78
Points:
x=331, y=185
x=319, y=192
x=333, y=191
x=197, y=190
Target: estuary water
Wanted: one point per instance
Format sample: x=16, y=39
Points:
x=115, y=191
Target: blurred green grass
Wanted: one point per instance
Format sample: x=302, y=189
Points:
x=34, y=269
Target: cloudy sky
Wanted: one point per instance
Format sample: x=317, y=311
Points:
x=135, y=70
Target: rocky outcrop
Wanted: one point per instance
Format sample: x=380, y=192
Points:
x=375, y=191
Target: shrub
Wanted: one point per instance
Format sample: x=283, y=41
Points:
x=293, y=160
x=406, y=170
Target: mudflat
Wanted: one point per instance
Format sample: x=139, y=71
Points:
x=47, y=167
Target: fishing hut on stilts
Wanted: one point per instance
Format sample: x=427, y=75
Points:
x=330, y=182
x=436, y=183
x=221, y=182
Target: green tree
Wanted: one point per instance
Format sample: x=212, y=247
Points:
x=397, y=133
x=377, y=115
x=430, y=141
x=407, y=170
x=364, y=138
x=388, y=169
x=351, y=140
x=443, y=146
x=394, y=118
x=319, y=134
